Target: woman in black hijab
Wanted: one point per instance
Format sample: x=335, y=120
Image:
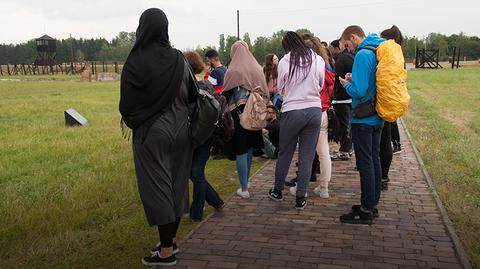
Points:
x=154, y=104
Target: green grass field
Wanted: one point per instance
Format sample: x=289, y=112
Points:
x=68, y=196
x=444, y=120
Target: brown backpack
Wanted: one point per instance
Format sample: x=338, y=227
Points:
x=254, y=115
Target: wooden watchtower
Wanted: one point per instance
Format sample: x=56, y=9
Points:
x=46, y=51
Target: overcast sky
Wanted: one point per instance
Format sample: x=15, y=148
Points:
x=201, y=22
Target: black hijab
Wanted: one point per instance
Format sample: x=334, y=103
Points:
x=152, y=74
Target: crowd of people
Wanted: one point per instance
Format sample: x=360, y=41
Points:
x=312, y=85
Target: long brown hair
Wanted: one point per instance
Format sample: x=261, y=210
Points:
x=316, y=45
x=270, y=69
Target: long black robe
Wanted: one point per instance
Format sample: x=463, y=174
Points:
x=163, y=161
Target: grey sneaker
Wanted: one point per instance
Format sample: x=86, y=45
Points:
x=322, y=192
x=340, y=156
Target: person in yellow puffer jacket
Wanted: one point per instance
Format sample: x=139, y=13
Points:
x=386, y=153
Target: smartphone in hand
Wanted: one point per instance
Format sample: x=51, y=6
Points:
x=348, y=77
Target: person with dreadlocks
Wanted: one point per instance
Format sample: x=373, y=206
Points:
x=154, y=102
x=316, y=45
x=300, y=79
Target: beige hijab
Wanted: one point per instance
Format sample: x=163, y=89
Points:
x=244, y=70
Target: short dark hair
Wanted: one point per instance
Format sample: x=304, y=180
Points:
x=393, y=33
x=211, y=53
x=352, y=30
x=335, y=44
x=324, y=43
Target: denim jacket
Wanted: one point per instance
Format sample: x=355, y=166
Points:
x=236, y=97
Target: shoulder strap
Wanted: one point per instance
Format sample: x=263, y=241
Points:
x=371, y=48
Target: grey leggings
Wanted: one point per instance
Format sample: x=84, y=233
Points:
x=302, y=126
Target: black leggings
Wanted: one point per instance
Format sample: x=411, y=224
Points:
x=386, y=150
x=167, y=232
x=395, y=133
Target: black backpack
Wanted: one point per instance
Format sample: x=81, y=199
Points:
x=225, y=126
x=205, y=115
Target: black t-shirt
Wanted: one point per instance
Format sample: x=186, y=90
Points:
x=343, y=65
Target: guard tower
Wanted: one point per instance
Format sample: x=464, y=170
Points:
x=47, y=50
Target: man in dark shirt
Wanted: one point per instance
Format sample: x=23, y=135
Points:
x=216, y=77
x=342, y=103
x=218, y=70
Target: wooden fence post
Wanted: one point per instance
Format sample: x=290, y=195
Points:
x=453, y=58
x=458, y=59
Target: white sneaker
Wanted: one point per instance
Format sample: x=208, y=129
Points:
x=293, y=191
x=323, y=193
x=243, y=194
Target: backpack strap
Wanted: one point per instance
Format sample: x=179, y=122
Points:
x=374, y=49
x=371, y=48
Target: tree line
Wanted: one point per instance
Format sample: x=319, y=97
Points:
x=78, y=50
x=470, y=46
x=100, y=49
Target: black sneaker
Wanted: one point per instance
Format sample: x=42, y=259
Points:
x=275, y=195
x=300, y=203
x=156, y=260
x=374, y=211
x=357, y=216
x=384, y=186
x=291, y=183
x=397, y=148
x=175, y=247
x=220, y=207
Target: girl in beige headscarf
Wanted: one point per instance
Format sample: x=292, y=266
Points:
x=244, y=74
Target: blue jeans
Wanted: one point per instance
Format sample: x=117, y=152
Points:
x=202, y=190
x=366, y=143
x=244, y=163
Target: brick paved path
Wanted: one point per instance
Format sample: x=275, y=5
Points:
x=259, y=233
